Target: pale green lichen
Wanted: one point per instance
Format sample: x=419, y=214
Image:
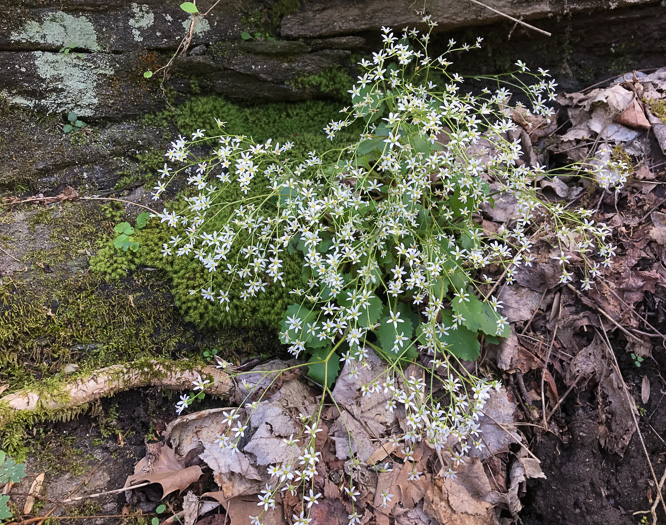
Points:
x=59, y=29
x=201, y=25
x=71, y=82
x=143, y=18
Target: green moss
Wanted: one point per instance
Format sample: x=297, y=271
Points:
x=657, y=108
x=334, y=81
x=270, y=16
x=301, y=123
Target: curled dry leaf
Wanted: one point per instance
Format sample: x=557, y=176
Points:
x=233, y=472
x=161, y=466
x=536, y=126
x=35, y=489
x=190, y=508
x=634, y=116
x=658, y=231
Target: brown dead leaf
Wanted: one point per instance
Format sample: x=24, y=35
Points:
x=232, y=471
x=659, y=129
x=241, y=508
x=3, y=387
x=588, y=363
x=634, y=116
x=522, y=469
x=658, y=231
x=162, y=467
x=189, y=432
x=35, y=489
x=644, y=173
x=449, y=502
x=536, y=126
x=615, y=415
x=520, y=303
x=329, y=512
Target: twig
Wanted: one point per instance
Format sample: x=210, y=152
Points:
x=633, y=410
x=119, y=200
x=35, y=520
x=107, y=492
x=512, y=18
x=543, y=374
x=559, y=402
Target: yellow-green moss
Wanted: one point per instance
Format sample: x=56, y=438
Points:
x=334, y=81
x=657, y=108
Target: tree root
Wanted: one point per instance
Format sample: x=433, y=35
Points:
x=174, y=375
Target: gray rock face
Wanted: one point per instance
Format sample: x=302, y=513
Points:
x=88, y=56
x=338, y=17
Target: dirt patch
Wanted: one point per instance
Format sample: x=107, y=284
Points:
x=586, y=484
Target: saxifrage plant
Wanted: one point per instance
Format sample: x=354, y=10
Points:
x=389, y=233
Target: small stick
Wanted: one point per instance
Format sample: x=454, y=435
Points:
x=543, y=374
x=114, y=491
x=512, y=18
x=119, y=200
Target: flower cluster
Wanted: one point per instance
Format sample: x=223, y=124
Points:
x=389, y=232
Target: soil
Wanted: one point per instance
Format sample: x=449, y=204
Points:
x=586, y=484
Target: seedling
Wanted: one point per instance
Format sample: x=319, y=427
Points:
x=125, y=240
x=73, y=123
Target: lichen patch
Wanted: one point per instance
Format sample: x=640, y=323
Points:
x=59, y=29
x=143, y=18
x=71, y=81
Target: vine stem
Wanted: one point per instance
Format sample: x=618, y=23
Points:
x=119, y=200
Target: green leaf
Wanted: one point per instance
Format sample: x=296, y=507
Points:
x=189, y=7
x=5, y=513
x=10, y=470
x=124, y=227
x=134, y=246
x=155, y=521
x=120, y=241
x=325, y=372
x=387, y=334
x=71, y=116
x=462, y=343
x=368, y=315
x=160, y=509
x=142, y=220
x=147, y=74
x=246, y=36
x=307, y=316
x=67, y=128
x=127, y=245
x=80, y=124
x=479, y=316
